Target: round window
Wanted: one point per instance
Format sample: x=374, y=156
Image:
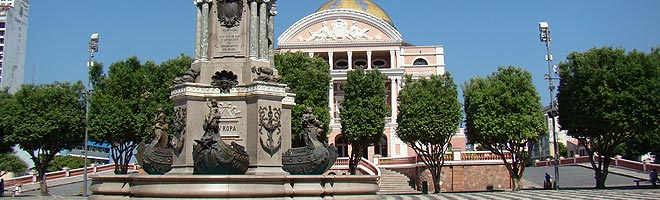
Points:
x=360, y=63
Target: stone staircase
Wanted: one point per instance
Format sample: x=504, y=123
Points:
x=392, y=182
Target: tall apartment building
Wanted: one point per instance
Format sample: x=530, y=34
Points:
x=13, y=42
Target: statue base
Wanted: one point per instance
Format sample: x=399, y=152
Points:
x=134, y=186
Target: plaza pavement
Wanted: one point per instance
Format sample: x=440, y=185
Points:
x=576, y=183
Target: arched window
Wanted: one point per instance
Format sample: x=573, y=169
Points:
x=420, y=61
x=342, y=146
x=381, y=147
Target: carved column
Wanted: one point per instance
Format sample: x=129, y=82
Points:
x=350, y=60
x=254, y=29
x=272, y=12
x=198, y=28
x=263, y=29
x=204, y=36
x=368, y=59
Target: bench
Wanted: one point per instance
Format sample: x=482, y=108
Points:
x=640, y=180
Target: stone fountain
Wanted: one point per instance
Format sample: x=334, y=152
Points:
x=232, y=123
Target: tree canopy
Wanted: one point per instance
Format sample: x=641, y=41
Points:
x=5, y=102
x=606, y=97
x=309, y=78
x=11, y=163
x=364, y=111
x=45, y=119
x=429, y=114
x=503, y=113
x=125, y=100
x=71, y=162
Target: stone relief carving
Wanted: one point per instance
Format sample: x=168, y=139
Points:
x=269, y=125
x=189, y=76
x=340, y=31
x=230, y=12
x=179, y=129
x=267, y=74
x=225, y=80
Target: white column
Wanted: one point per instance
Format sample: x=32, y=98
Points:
x=368, y=59
x=331, y=60
x=350, y=60
x=311, y=54
x=392, y=59
x=331, y=102
x=399, y=59
x=393, y=94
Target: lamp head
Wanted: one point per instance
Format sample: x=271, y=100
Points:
x=94, y=37
x=543, y=26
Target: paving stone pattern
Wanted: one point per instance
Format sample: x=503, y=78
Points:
x=569, y=194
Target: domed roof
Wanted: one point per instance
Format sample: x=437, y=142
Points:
x=366, y=6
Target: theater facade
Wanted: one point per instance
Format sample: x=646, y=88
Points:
x=350, y=33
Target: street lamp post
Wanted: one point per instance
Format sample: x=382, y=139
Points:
x=545, y=37
x=93, y=47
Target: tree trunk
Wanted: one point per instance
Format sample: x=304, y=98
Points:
x=517, y=183
x=600, y=180
x=42, y=182
x=436, y=183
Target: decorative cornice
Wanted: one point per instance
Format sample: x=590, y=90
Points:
x=206, y=90
x=369, y=19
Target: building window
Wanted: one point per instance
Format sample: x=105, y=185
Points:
x=381, y=147
x=2, y=24
x=342, y=146
x=341, y=64
x=420, y=61
x=379, y=63
x=362, y=63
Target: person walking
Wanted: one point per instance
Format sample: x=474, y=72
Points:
x=2, y=187
x=653, y=177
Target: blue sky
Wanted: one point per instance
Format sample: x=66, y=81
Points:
x=478, y=36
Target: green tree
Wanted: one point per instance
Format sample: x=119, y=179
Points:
x=11, y=163
x=429, y=114
x=44, y=120
x=5, y=102
x=606, y=97
x=364, y=111
x=563, y=151
x=503, y=113
x=71, y=162
x=125, y=100
x=309, y=78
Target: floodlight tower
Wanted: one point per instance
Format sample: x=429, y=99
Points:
x=545, y=37
x=93, y=47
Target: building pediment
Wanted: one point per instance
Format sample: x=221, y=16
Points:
x=339, y=27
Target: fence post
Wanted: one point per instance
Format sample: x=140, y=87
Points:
x=94, y=166
x=457, y=154
x=66, y=171
x=34, y=175
x=377, y=159
x=644, y=165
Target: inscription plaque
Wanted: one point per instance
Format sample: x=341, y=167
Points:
x=230, y=42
